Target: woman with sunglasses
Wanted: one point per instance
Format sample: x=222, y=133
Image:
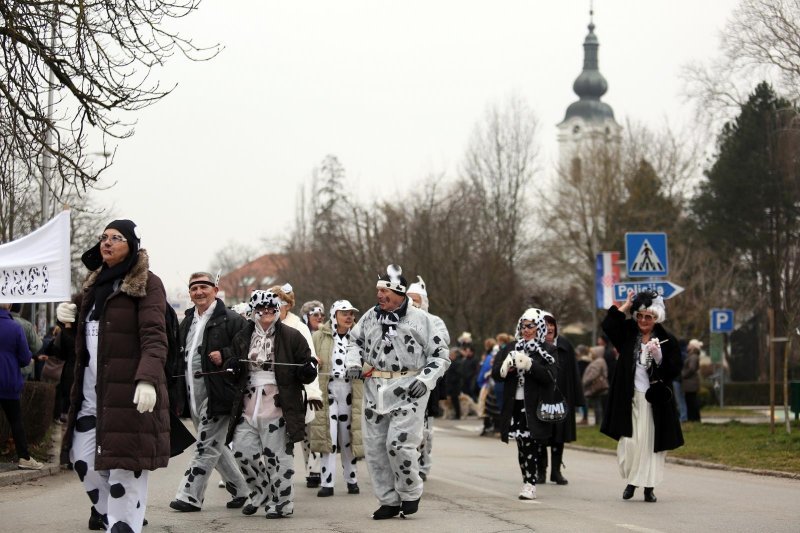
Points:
x=641, y=412
x=529, y=372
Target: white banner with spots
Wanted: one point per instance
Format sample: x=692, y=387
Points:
x=36, y=267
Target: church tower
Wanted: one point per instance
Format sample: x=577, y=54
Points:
x=588, y=120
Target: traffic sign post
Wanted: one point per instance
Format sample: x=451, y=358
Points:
x=665, y=289
x=646, y=254
x=721, y=320
x=721, y=323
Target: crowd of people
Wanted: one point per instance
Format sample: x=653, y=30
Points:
x=254, y=379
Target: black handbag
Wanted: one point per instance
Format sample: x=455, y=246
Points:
x=658, y=393
x=552, y=411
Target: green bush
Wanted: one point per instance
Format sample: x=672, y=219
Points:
x=37, y=401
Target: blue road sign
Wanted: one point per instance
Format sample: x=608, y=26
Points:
x=646, y=254
x=666, y=289
x=721, y=320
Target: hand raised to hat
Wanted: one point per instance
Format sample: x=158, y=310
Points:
x=417, y=389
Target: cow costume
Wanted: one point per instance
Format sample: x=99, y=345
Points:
x=419, y=289
x=118, y=424
x=404, y=354
x=337, y=426
x=270, y=362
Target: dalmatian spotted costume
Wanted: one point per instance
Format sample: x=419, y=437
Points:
x=425, y=449
x=529, y=371
x=405, y=354
x=340, y=409
x=269, y=415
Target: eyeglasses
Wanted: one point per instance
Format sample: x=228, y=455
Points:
x=645, y=317
x=530, y=325
x=113, y=238
x=267, y=310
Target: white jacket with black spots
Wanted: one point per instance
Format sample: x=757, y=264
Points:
x=419, y=345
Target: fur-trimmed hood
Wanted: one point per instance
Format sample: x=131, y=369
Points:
x=134, y=283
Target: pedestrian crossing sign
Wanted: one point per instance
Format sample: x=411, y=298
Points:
x=646, y=254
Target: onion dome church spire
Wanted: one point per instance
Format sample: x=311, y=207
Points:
x=589, y=117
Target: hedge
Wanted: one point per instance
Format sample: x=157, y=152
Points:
x=37, y=401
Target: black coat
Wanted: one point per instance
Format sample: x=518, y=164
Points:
x=538, y=385
x=290, y=347
x=218, y=334
x=618, y=420
x=569, y=383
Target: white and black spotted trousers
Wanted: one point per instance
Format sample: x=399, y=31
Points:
x=391, y=446
x=310, y=459
x=340, y=399
x=266, y=459
x=426, y=447
x=210, y=452
x=121, y=495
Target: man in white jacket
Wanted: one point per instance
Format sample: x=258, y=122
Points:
x=402, y=354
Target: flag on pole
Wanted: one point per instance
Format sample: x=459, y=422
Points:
x=606, y=275
x=36, y=267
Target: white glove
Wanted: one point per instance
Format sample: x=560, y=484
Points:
x=508, y=363
x=144, y=397
x=522, y=361
x=655, y=350
x=66, y=312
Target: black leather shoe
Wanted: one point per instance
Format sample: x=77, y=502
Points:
x=183, y=507
x=557, y=478
x=313, y=481
x=649, y=495
x=324, y=492
x=627, y=494
x=423, y=476
x=97, y=521
x=386, y=511
x=249, y=509
x=352, y=488
x=236, y=503
x=541, y=478
x=409, y=507
x=276, y=514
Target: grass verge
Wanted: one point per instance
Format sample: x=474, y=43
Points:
x=732, y=444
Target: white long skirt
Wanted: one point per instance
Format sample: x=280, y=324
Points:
x=638, y=464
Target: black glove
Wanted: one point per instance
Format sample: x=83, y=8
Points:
x=417, y=389
x=353, y=373
x=316, y=405
x=307, y=372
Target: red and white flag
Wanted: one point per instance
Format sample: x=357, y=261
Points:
x=606, y=275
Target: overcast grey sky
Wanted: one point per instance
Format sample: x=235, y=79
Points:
x=393, y=89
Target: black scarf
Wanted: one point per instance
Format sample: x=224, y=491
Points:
x=104, y=284
x=389, y=320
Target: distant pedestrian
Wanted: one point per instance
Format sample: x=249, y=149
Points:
x=641, y=411
x=690, y=375
x=595, y=383
x=14, y=355
x=313, y=314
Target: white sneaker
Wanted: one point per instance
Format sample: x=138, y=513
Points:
x=528, y=492
x=29, y=464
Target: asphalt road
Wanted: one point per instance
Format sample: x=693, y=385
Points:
x=473, y=488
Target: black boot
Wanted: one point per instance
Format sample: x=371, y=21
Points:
x=97, y=521
x=649, y=495
x=627, y=494
x=313, y=480
x=541, y=465
x=386, y=511
x=555, y=471
x=408, y=507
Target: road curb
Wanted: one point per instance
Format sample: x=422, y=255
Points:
x=14, y=477
x=696, y=463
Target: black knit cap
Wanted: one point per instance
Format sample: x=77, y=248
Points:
x=92, y=258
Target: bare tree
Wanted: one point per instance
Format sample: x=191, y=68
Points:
x=761, y=40
x=71, y=69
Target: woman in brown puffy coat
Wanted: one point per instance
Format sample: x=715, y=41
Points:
x=118, y=425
